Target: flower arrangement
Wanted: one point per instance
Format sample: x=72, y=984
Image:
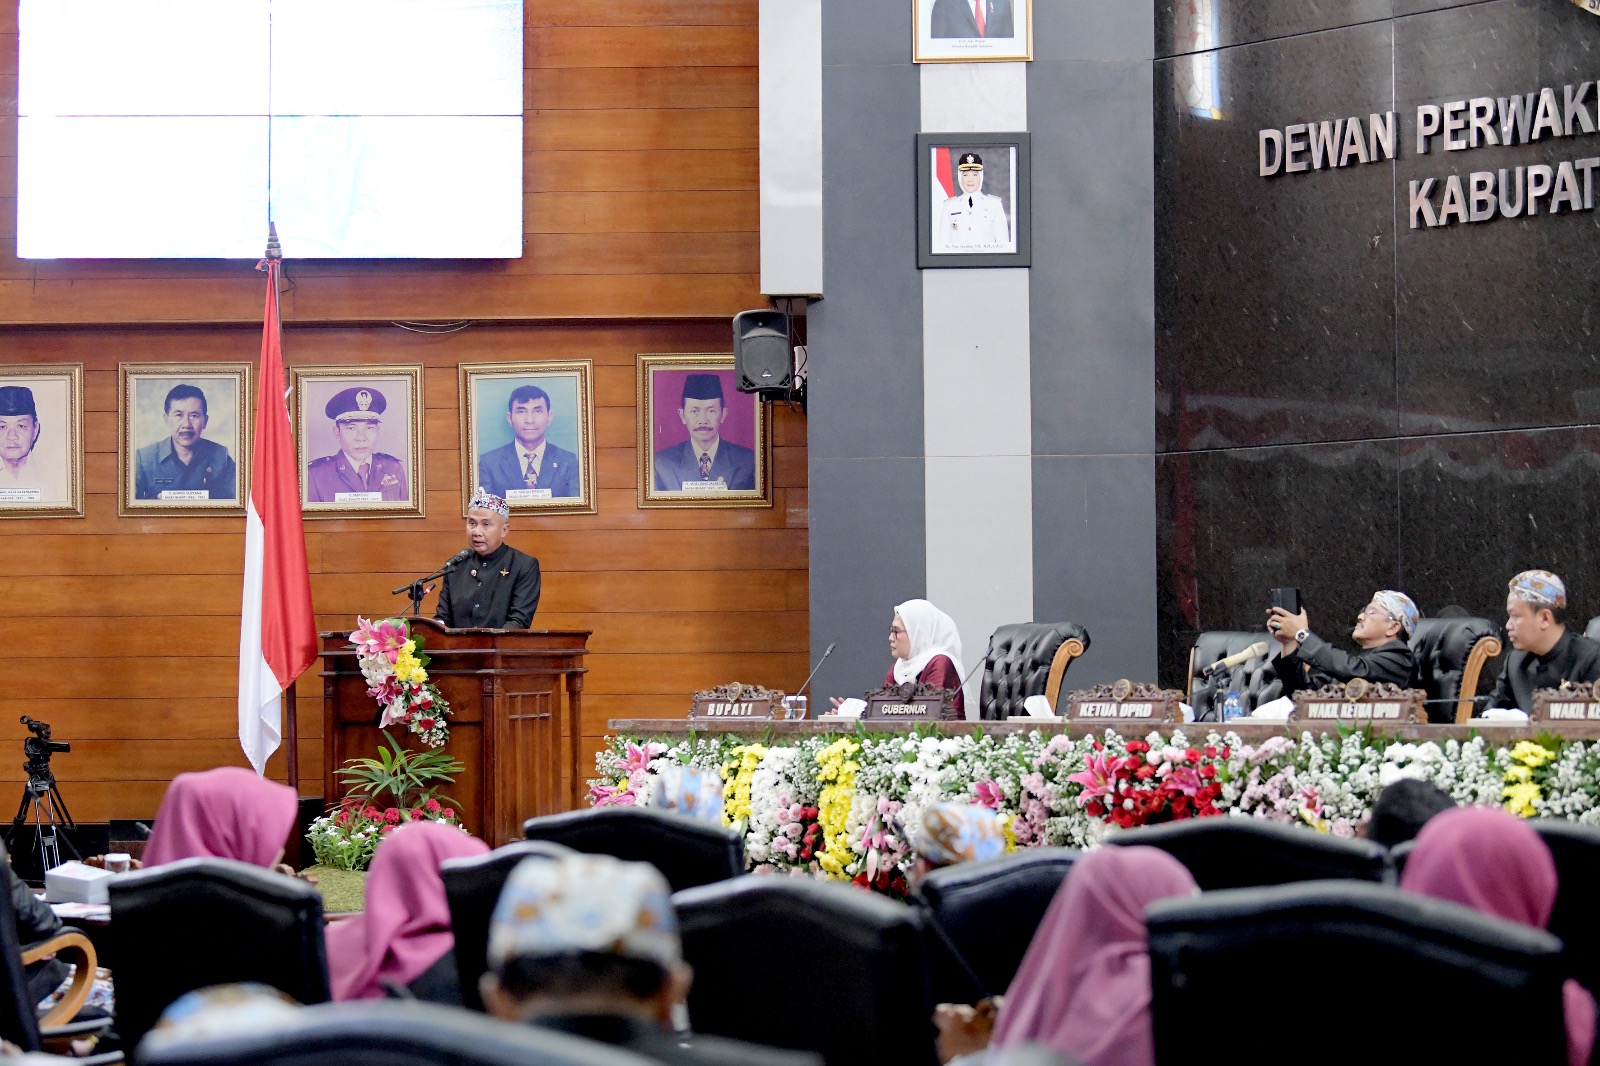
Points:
x=847, y=807
x=393, y=662
x=393, y=787
x=346, y=837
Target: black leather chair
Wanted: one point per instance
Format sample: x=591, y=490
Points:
x=688, y=853
x=1254, y=681
x=1249, y=852
x=200, y=922
x=981, y=916
x=1386, y=957
x=472, y=887
x=1592, y=630
x=1027, y=659
x=1450, y=655
x=381, y=1033
x=1576, y=849
x=760, y=945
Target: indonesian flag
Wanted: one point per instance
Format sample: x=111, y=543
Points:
x=277, y=631
x=944, y=179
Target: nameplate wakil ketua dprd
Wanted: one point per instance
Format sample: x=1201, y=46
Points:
x=910, y=702
x=1125, y=701
x=736, y=702
x=1569, y=703
x=1358, y=700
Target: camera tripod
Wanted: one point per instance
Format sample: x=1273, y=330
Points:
x=42, y=796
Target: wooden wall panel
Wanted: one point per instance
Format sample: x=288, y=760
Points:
x=642, y=236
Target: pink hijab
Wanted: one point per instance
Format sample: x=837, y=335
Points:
x=406, y=926
x=1084, y=985
x=1493, y=862
x=226, y=813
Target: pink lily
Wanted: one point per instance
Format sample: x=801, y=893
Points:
x=1095, y=777
x=386, y=638
x=989, y=794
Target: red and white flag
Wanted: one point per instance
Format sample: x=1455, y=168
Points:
x=277, y=631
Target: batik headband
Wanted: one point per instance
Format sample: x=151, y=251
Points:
x=1400, y=608
x=488, y=501
x=584, y=904
x=959, y=832
x=1541, y=588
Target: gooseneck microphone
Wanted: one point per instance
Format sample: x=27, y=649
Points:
x=826, y=652
x=1254, y=651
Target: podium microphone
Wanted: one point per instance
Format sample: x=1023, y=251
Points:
x=826, y=652
x=1254, y=651
x=413, y=586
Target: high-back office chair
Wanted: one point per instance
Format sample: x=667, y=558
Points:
x=1254, y=681
x=472, y=886
x=687, y=852
x=1576, y=849
x=1027, y=659
x=1250, y=852
x=1450, y=655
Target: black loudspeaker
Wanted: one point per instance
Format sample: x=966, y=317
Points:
x=762, y=354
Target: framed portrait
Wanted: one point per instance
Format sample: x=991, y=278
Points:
x=185, y=433
x=702, y=443
x=972, y=31
x=528, y=434
x=974, y=197
x=41, y=441
x=358, y=440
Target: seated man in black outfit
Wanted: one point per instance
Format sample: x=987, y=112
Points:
x=588, y=945
x=1402, y=809
x=1544, y=652
x=1306, y=661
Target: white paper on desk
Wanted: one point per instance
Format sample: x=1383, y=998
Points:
x=69, y=911
x=1188, y=712
x=1277, y=710
x=851, y=708
x=1038, y=707
x=1503, y=714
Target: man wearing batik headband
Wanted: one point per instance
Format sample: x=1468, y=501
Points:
x=691, y=792
x=1544, y=652
x=1306, y=661
x=951, y=833
x=588, y=945
x=496, y=587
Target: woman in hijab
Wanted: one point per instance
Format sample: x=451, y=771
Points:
x=226, y=813
x=405, y=929
x=1493, y=862
x=926, y=648
x=1084, y=986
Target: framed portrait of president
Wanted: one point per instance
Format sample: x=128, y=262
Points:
x=41, y=441
x=528, y=435
x=358, y=440
x=702, y=443
x=185, y=433
x=972, y=31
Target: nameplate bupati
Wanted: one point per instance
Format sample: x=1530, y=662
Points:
x=736, y=702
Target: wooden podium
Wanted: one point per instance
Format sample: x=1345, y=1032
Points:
x=505, y=690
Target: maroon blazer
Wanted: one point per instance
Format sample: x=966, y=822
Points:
x=941, y=672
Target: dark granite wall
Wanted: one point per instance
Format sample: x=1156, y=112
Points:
x=1344, y=403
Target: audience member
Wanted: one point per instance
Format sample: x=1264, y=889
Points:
x=927, y=649
x=226, y=813
x=221, y=1011
x=1544, y=652
x=1492, y=861
x=588, y=945
x=1306, y=661
x=951, y=833
x=404, y=931
x=1084, y=986
x=1402, y=808
x=689, y=791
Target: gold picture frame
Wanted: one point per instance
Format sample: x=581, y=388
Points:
x=41, y=455
x=167, y=409
x=946, y=31
x=740, y=447
x=497, y=398
x=375, y=410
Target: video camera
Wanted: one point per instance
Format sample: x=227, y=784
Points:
x=40, y=744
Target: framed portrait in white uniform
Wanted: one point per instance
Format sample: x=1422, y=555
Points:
x=973, y=195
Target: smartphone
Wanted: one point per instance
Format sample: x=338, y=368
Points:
x=1287, y=598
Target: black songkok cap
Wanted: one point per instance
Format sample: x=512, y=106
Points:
x=702, y=387
x=17, y=400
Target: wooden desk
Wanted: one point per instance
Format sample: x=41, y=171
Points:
x=506, y=689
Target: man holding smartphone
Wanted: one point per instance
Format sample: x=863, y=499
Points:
x=1306, y=661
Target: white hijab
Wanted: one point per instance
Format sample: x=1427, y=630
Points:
x=931, y=632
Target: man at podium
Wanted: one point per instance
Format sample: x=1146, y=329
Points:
x=496, y=587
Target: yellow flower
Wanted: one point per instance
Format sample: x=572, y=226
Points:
x=1011, y=833
x=1530, y=754
x=1310, y=818
x=837, y=773
x=407, y=669
x=737, y=775
x=1519, y=773
x=1520, y=799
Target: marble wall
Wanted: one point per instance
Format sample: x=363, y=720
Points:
x=1345, y=403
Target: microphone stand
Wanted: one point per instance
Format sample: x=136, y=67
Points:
x=420, y=587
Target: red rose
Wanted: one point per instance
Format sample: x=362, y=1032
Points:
x=1208, y=771
x=1095, y=808
x=1145, y=772
x=1192, y=755
x=1226, y=751
x=426, y=724
x=1137, y=747
x=1211, y=751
